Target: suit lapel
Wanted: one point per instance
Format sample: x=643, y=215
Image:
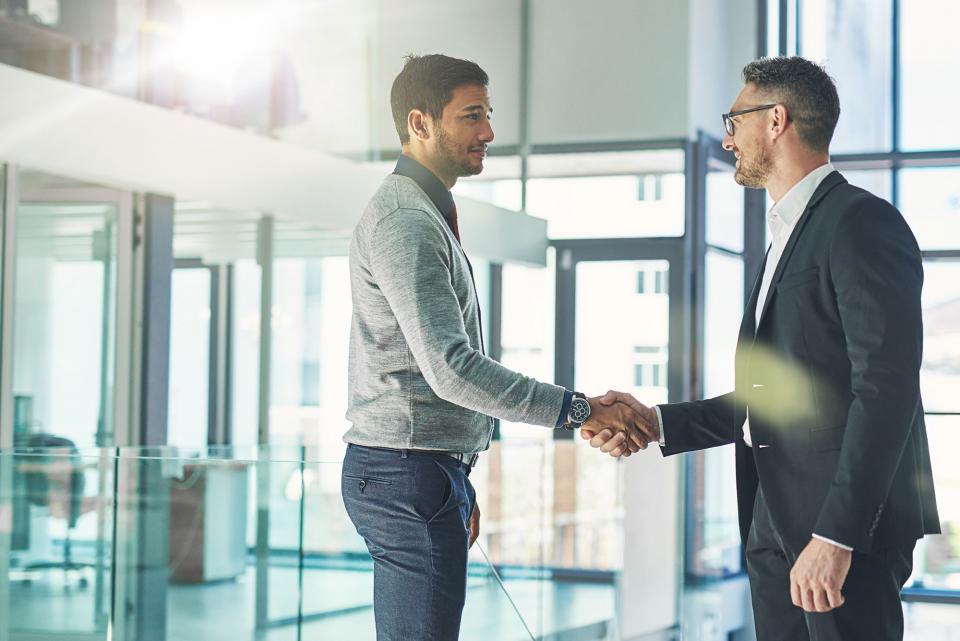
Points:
x=828, y=183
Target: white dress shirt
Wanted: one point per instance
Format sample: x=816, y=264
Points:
x=782, y=219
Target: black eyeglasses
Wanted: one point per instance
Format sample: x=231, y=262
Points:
x=728, y=118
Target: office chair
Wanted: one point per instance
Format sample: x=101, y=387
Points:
x=53, y=488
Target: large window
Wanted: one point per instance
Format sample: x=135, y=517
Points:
x=854, y=39
x=930, y=201
x=929, y=59
x=608, y=195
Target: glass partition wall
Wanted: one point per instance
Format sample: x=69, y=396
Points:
x=151, y=543
x=69, y=269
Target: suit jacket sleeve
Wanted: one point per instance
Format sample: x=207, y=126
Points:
x=877, y=275
x=699, y=425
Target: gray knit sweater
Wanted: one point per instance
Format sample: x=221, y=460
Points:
x=418, y=376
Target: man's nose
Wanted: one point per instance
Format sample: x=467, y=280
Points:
x=486, y=135
x=727, y=142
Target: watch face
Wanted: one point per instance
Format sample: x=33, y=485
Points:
x=579, y=410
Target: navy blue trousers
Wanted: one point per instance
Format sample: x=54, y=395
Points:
x=413, y=512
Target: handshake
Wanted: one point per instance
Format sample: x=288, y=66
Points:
x=620, y=425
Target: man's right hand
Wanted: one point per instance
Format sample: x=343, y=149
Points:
x=626, y=430
x=613, y=441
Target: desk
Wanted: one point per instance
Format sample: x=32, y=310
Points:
x=208, y=522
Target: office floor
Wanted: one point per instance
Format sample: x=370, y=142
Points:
x=337, y=605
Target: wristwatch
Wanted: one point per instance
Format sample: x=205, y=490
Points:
x=579, y=411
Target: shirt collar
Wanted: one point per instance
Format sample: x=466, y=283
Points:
x=428, y=182
x=785, y=212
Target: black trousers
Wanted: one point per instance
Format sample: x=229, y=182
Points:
x=871, y=612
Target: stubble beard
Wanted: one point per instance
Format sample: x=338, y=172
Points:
x=754, y=173
x=449, y=157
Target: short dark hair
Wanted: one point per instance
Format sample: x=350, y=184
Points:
x=806, y=90
x=427, y=83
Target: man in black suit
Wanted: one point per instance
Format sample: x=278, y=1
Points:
x=833, y=472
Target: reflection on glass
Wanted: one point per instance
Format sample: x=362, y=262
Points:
x=930, y=54
x=60, y=508
x=187, y=413
x=266, y=68
x=92, y=43
x=940, y=375
x=852, y=38
x=930, y=201
x=626, y=351
x=64, y=320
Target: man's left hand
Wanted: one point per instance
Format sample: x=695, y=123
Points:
x=818, y=576
x=474, y=525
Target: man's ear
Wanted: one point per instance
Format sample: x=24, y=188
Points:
x=417, y=125
x=779, y=120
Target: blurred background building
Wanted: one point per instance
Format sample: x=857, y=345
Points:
x=179, y=182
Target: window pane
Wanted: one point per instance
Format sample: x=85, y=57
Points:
x=930, y=53
x=607, y=351
x=311, y=330
x=877, y=182
x=527, y=331
x=606, y=207
x=608, y=195
x=714, y=531
x=773, y=27
x=940, y=376
x=499, y=183
x=245, y=352
x=502, y=193
x=64, y=331
x=188, y=403
x=520, y=467
x=930, y=201
x=853, y=39
x=937, y=562
x=724, y=211
x=723, y=311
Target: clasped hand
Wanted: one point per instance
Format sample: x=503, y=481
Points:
x=620, y=425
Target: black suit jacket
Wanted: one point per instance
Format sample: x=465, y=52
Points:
x=831, y=377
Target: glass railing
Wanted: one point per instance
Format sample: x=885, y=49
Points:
x=233, y=544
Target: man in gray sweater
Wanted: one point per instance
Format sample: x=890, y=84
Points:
x=422, y=394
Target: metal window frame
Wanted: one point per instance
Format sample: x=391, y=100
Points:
x=8, y=215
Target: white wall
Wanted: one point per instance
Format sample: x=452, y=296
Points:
x=722, y=40
x=611, y=70
x=601, y=71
